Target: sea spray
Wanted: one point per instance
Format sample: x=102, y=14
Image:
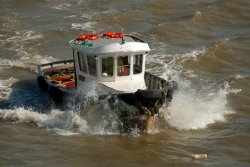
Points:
x=5, y=87
x=56, y=120
x=91, y=115
x=195, y=106
x=191, y=110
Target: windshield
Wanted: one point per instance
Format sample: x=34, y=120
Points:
x=123, y=66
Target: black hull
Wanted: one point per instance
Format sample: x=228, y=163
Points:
x=147, y=102
x=152, y=99
x=59, y=95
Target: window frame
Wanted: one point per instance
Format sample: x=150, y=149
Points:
x=89, y=65
x=140, y=60
x=82, y=60
x=121, y=70
x=113, y=67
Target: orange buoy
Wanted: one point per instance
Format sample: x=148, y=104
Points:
x=113, y=35
x=92, y=36
x=81, y=38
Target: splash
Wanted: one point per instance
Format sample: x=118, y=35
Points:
x=18, y=111
x=194, y=106
x=90, y=89
x=191, y=110
x=64, y=123
x=97, y=118
x=89, y=116
x=22, y=115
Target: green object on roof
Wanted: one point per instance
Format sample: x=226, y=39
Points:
x=86, y=43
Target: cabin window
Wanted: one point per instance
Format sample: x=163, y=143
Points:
x=123, y=66
x=92, y=65
x=82, y=62
x=107, y=66
x=137, y=59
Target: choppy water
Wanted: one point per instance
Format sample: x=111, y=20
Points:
x=203, y=44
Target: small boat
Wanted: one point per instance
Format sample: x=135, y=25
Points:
x=115, y=63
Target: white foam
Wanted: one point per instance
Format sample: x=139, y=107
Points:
x=171, y=64
x=84, y=26
x=5, y=88
x=156, y=58
x=197, y=15
x=28, y=58
x=70, y=16
x=191, y=55
x=92, y=15
x=64, y=123
x=61, y=6
x=191, y=110
x=193, y=106
x=9, y=63
x=87, y=16
x=238, y=76
x=67, y=122
x=22, y=115
x=88, y=89
x=101, y=118
x=23, y=36
x=27, y=61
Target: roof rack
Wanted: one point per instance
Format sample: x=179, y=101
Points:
x=135, y=38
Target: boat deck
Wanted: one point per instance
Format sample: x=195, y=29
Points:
x=61, y=74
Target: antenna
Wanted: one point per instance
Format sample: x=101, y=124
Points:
x=123, y=40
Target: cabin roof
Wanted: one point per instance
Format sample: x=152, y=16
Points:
x=103, y=45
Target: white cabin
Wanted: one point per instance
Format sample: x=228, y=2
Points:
x=117, y=64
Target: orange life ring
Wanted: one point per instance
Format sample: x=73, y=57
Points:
x=92, y=36
x=81, y=38
x=113, y=34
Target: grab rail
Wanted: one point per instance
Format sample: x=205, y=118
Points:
x=52, y=64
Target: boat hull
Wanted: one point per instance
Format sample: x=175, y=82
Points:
x=147, y=102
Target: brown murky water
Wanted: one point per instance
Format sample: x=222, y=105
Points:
x=203, y=44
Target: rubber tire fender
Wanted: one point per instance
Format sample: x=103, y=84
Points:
x=150, y=94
